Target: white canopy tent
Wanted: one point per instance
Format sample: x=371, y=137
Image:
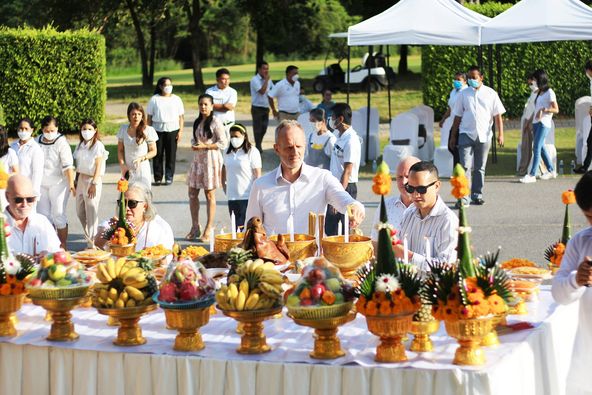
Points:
x=540, y=20
x=420, y=22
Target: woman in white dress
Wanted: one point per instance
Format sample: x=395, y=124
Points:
x=136, y=146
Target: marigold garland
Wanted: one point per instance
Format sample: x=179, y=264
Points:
x=122, y=185
x=3, y=178
x=381, y=183
x=568, y=197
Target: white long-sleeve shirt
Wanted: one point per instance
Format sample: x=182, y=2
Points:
x=273, y=198
x=565, y=291
x=31, y=162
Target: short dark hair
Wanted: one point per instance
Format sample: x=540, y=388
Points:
x=475, y=68
x=261, y=63
x=318, y=114
x=221, y=72
x=542, y=81
x=343, y=110
x=583, y=191
x=425, y=166
x=290, y=68
x=27, y=120
x=461, y=74
x=588, y=65
x=49, y=120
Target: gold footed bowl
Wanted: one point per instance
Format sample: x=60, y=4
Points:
x=348, y=257
x=9, y=305
x=421, y=332
x=253, y=340
x=491, y=339
x=326, y=343
x=122, y=250
x=187, y=323
x=469, y=334
x=391, y=330
x=224, y=242
x=129, y=332
x=62, y=328
x=303, y=246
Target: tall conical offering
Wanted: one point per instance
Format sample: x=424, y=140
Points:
x=121, y=233
x=568, y=197
x=385, y=257
x=460, y=189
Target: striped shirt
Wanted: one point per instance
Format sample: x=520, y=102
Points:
x=440, y=226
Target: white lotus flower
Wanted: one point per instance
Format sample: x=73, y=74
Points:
x=387, y=283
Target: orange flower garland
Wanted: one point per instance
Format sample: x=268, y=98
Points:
x=122, y=185
x=391, y=303
x=568, y=197
x=460, y=186
x=381, y=183
x=3, y=178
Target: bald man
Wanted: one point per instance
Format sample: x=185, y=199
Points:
x=30, y=233
x=396, y=205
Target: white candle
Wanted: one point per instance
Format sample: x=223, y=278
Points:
x=212, y=237
x=339, y=228
x=291, y=227
x=346, y=227
x=318, y=237
x=428, y=248
x=233, y=225
x=222, y=230
x=405, y=250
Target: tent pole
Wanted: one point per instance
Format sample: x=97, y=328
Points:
x=499, y=69
x=388, y=81
x=491, y=82
x=368, y=91
x=480, y=57
x=347, y=74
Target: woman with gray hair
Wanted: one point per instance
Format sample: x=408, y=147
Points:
x=151, y=228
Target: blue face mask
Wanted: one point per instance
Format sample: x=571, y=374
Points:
x=457, y=84
x=473, y=83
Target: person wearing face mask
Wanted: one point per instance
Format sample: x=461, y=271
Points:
x=91, y=157
x=474, y=112
x=30, y=155
x=527, y=117
x=319, y=144
x=225, y=99
x=287, y=93
x=166, y=115
x=58, y=177
x=327, y=103
x=459, y=83
x=242, y=166
x=588, y=159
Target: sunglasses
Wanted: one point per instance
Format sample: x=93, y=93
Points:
x=20, y=200
x=421, y=189
x=131, y=203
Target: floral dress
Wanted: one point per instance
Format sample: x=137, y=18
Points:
x=205, y=171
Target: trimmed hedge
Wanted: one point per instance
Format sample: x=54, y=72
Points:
x=562, y=60
x=45, y=72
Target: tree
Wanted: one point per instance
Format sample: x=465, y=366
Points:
x=194, y=11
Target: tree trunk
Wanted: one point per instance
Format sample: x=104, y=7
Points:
x=146, y=81
x=260, y=53
x=194, y=15
x=403, y=67
x=152, y=51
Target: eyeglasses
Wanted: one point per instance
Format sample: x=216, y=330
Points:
x=20, y=200
x=421, y=189
x=131, y=203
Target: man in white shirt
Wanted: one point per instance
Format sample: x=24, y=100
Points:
x=295, y=189
x=459, y=83
x=260, y=103
x=225, y=97
x=396, y=205
x=287, y=93
x=475, y=111
x=429, y=220
x=572, y=283
x=30, y=233
x=345, y=160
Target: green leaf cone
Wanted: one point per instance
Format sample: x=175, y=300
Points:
x=121, y=220
x=3, y=245
x=566, y=235
x=385, y=257
x=466, y=264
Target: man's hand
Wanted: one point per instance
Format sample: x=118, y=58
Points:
x=356, y=215
x=500, y=140
x=92, y=191
x=276, y=114
x=584, y=273
x=452, y=141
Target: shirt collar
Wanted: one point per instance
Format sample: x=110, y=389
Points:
x=438, y=209
x=347, y=132
x=305, y=173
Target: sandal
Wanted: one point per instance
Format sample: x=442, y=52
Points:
x=205, y=237
x=193, y=234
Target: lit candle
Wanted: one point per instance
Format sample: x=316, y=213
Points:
x=212, y=237
x=233, y=225
x=405, y=251
x=291, y=227
x=428, y=248
x=339, y=228
x=346, y=227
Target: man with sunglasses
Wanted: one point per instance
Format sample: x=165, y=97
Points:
x=429, y=220
x=31, y=233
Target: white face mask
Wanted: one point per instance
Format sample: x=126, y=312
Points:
x=50, y=136
x=295, y=77
x=168, y=89
x=333, y=124
x=24, y=135
x=88, y=134
x=237, y=142
x=533, y=86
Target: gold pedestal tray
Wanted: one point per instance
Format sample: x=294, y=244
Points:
x=187, y=323
x=224, y=242
x=303, y=246
x=391, y=330
x=129, y=332
x=491, y=339
x=469, y=334
x=9, y=305
x=421, y=332
x=348, y=257
x=62, y=328
x=253, y=341
x=326, y=344
x=121, y=250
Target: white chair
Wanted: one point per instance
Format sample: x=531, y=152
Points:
x=359, y=118
x=586, y=124
x=582, y=108
x=443, y=159
x=426, y=118
x=549, y=146
x=403, y=139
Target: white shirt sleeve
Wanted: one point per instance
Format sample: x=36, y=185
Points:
x=498, y=107
x=121, y=132
x=458, y=108
x=12, y=159
x=256, y=85
x=564, y=288
x=151, y=136
x=150, y=106
x=552, y=97
x=255, y=158
x=180, y=105
x=275, y=91
x=66, y=155
x=233, y=99
x=352, y=152
x=330, y=144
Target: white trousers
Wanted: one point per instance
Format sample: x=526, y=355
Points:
x=87, y=209
x=53, y=201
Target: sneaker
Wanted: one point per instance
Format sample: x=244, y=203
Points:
x=580, y=170
x=528, y=179
x=478, y=201
x=168, y=182
x=549, y=175
x=156, y=183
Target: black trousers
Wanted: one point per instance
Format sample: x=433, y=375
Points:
x=260, y=121
x=588, y=158
x=239, y=208
x=166, y=152
x=333, y=217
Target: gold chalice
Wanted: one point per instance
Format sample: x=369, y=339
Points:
x=469, y=334
x=62, y=328
x=421, y=331
x=491, y=339
x=224, y=242
x=326, y=343
x=129, y=332
x=348, y=257
x=187, y=323
x=253, y=341
x=9, y=305
x=391, y=329
x=121, y=250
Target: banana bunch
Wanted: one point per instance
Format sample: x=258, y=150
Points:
x=255, y=286
x=122, y=284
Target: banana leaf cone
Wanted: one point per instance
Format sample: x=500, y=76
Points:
x=121, y=218
x=465, y=257
x=385, y=257
x=3, y=244
x=566, y=235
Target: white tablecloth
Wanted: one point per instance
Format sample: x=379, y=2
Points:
x=528, y=362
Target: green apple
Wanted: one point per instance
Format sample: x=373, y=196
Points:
x=333, y=284
x=63, y=283
x=57, y=272
x=293, y=301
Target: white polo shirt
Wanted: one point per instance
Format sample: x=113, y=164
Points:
x=346, y=149
x=258, y=99
x=223, y=96
x=31, y=162
x=543, y=101
x=85, y=157
x=477, y=107
x=39, y=235
x=165, y=112
x=288, y=96
x=239, y=172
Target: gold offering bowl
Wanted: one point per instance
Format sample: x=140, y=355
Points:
x=9, y=305
x=224, y=242
x=253, y=341
x=491, y=339
x=391, y=329
x=187, y=323
x=129, y=332
x=518, y=309
x=303, y=246
x=469, y=334
x=62, y=328
x=326, y=344
x=421, y=331
x=348, y=257
x=122, y=250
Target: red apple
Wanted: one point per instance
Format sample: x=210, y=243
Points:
x=317, y=291
x=60, y=257
x=305, y=302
